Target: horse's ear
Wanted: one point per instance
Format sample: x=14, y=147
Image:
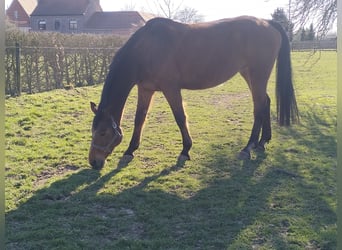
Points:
x=93, y=107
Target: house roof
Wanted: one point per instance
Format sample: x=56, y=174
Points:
x=118, y=20
x=60, y=7
x=28, y=5
x=19, y=12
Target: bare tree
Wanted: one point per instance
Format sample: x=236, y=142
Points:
x=129, y=7
x=322, y=13
x=167, y=8
x=189, y=15
x=174, y=9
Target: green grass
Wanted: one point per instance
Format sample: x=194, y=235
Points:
x=283, y=199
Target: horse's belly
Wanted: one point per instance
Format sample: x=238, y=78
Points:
x=204, y=80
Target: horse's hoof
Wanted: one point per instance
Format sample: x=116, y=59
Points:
x=126, y=158
x=260, y=148
x=182, y=159
x=243, y=155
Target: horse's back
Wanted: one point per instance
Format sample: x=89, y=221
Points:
x=205, y=54
x=218, y=50
x=222, y=37
x=230, y=30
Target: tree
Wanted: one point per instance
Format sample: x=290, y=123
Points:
x=308, y=34
x=311, y=33
x=280, y=17
x=173, y=9
x=129, y=7
x=167, y=8
x=322, y=13
x=303, y=35
x=188, y=15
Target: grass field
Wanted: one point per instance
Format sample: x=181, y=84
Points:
x=283, y=199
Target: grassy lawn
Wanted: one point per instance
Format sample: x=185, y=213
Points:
x=283, y=199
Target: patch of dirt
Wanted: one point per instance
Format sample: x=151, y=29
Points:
x=58, y=170
x=229, y=100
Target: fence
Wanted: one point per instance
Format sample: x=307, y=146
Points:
x=33, y=69
x=314, y=45
x=37, y=69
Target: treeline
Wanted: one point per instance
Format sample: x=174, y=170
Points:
x=37, y=62
x=307, y=34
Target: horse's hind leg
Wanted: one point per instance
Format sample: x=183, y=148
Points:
x=266, y=126
x=261, y=103
x=174, y=99
x=144, y=100
x=253, y=139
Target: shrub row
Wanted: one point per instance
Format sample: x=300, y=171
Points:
x=41, y=61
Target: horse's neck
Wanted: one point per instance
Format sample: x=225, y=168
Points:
x=114, y=95
x=118, y=84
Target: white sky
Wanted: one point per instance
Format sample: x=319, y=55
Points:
x=210, y=9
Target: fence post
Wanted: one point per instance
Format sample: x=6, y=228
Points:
x=17, y=68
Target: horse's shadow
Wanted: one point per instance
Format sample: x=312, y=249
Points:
x=79, y=214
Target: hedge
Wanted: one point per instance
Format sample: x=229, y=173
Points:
x=42, y=61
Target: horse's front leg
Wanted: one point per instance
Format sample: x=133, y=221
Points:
x=144, y=100
x=174, y=99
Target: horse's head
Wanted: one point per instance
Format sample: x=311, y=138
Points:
x=106, y=135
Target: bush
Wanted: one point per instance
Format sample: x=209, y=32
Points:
x=42, y=61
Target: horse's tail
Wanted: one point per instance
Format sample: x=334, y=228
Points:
x=287, y=110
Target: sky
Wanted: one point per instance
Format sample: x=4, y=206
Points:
x=209, y=9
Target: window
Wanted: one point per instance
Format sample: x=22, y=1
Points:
x=73, y=25
x=15, y=14
x=42, y=25
x=57, y=24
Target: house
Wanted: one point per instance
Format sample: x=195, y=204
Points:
x=64, y=16
x=84, y=16
x=121, y=23
x=19, y=13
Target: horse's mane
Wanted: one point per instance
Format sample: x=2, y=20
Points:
x=114, y=73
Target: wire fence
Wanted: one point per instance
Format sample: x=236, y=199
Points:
x=314, y=45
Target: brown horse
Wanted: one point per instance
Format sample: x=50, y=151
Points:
x=168, y=56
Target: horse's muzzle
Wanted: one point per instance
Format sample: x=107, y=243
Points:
x=97, y=158
x=97, y=164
